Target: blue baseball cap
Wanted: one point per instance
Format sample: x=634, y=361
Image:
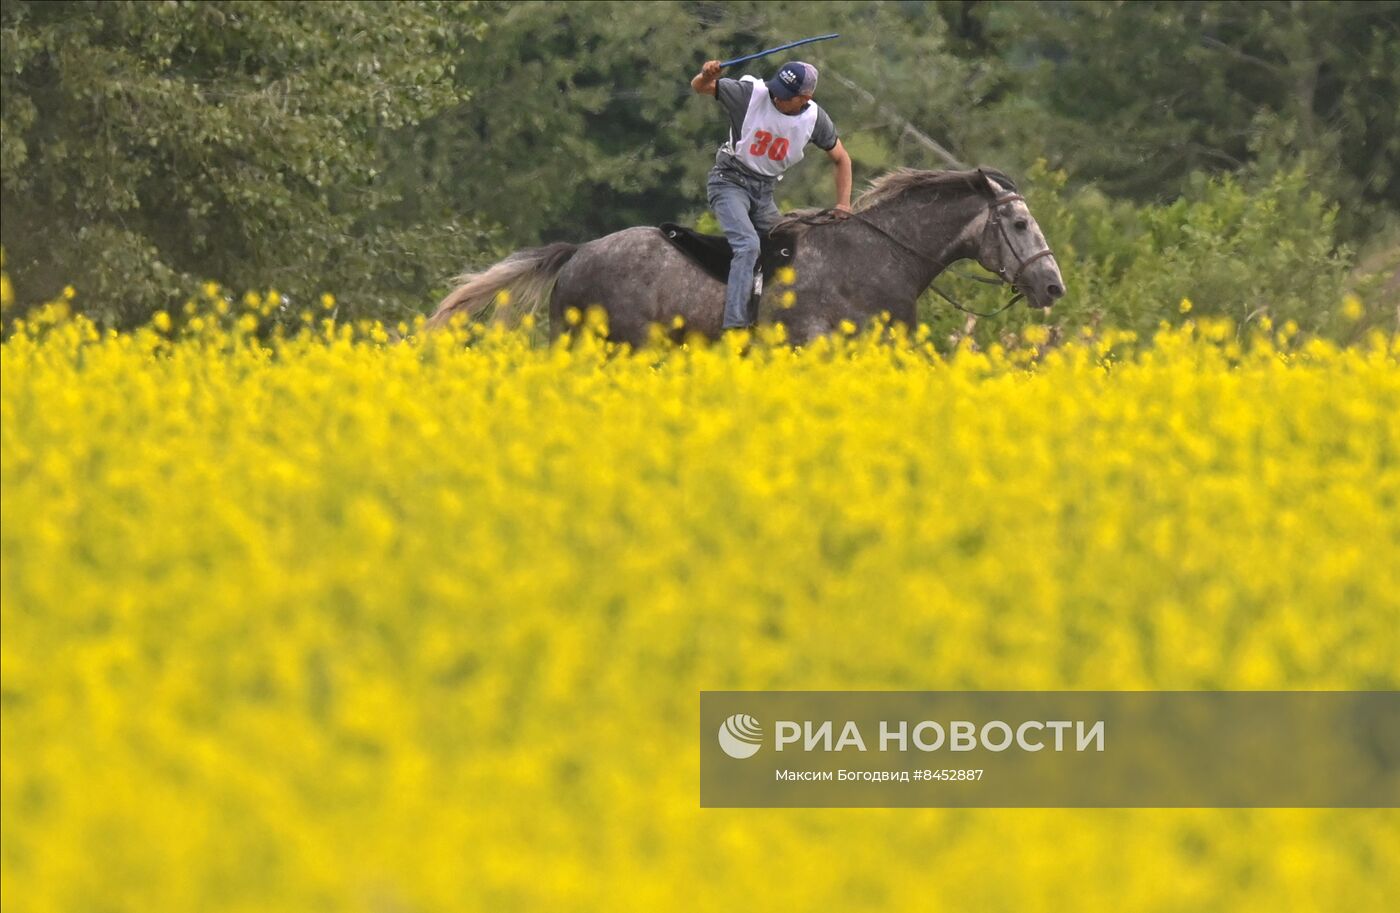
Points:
x=793, y=79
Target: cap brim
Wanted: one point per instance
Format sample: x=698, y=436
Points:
x=775, y=85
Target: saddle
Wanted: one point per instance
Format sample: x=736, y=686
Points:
x=712, y=253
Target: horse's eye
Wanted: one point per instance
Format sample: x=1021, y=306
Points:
x=1020, y=224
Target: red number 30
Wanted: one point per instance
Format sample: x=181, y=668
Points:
x=761, y=140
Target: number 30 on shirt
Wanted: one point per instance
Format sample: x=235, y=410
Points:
x=763, y=142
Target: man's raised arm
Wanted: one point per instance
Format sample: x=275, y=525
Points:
x=704, y=81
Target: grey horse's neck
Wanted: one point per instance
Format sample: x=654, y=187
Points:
x=932, y=228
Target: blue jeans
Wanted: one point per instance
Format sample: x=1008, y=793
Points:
x=745, y=210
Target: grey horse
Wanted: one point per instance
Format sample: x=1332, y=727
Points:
x=904, y=231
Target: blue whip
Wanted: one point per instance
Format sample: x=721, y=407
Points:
x=781, y=47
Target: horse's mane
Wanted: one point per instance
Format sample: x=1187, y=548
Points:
x=900, y=181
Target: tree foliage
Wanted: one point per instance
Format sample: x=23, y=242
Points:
x=1139, y=96
x=151, y=145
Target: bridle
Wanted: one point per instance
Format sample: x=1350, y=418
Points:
x=994, y=219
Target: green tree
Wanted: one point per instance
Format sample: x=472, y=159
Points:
x=1139, y=96
x=147, y=146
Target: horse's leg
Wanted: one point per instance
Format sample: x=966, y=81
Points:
x=638, y=279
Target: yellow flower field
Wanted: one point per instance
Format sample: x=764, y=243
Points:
x=336, y=622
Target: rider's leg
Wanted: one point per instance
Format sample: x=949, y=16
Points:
x=765, y=213
x=731, y=204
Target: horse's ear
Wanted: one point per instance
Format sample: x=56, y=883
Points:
x=997, y=183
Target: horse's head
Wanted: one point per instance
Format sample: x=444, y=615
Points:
x=1013, y=247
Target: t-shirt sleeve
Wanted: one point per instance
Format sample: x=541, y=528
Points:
x=733, y=96
x=824, y=133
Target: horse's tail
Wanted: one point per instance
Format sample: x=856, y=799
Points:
x=517, y=285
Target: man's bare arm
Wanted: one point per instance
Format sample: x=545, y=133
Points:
x=842, y=163
x=704, y=81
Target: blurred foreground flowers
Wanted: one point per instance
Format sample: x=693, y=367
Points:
x=351, y=619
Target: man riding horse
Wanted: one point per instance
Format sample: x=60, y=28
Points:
x=900, y=236
x=769, y=126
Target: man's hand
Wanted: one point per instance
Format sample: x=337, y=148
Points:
x=704, y=81
x=842, y=211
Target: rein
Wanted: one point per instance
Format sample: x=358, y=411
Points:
x=828, y=216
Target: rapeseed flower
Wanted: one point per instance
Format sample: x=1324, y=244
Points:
x=312, y=619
